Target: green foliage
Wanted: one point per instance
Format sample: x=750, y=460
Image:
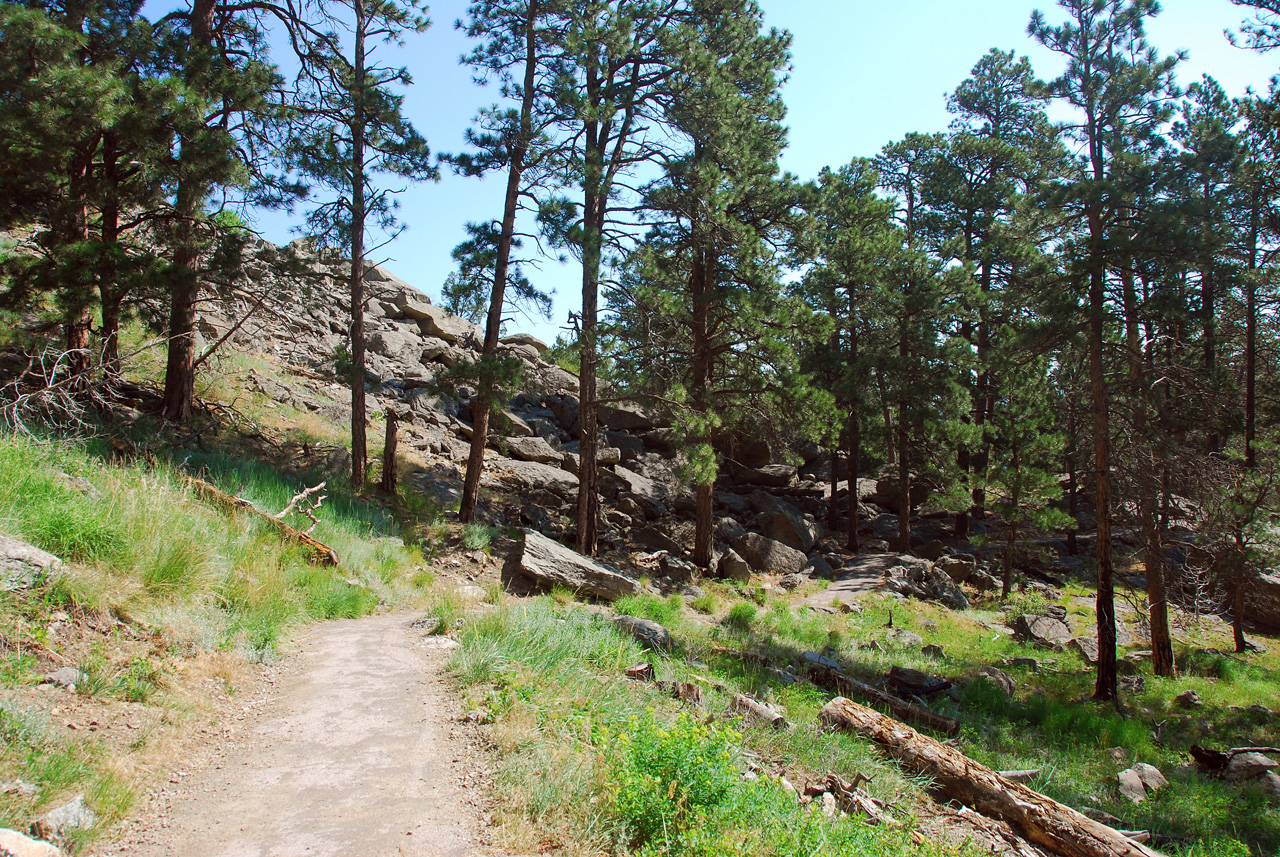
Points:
x=479, y=536
x=741, y=616
x=139, y=681
x=664, y=611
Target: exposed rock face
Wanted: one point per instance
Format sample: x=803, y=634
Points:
x=770, y=476
x=1247, y=766
x=530, y=475
x=23, y=566
x=766, y=555
x=533, y=449
x=548, y=563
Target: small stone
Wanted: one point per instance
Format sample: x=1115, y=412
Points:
x=933, y=650
x=1189, y=699
x=851, y=607
x=22, y=788
x=1132, y=684
x=72, y=815
x=1118, y=753
x=1247, y=766
x=1025, y=663
x=1270, y=783
x=791, y=581
x=67, y=677
x=906, y=639
x=1131, y=785
x=829, y=806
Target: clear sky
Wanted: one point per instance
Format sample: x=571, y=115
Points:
x=865, y=73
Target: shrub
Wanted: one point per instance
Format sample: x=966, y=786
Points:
x=479, y=537
x=741, y=615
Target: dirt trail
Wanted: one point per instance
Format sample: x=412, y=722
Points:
x=358, y=753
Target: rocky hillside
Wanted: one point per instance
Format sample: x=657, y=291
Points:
x=768, y=513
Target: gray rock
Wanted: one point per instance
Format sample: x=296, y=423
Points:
x=817, y=660
x=397, y=345
x=1270, y=783
x=781, y=521
x=770, y=476
x=533, y=449
x=434, y=321
x=1025, y=663
x=524, y=339
x=1041, y=630
x=15, y=844
x=958, y=568
x=1132, y=683
x=904, y=638
x=550, y=563
x=21, y=788
x=735, y=503
x=1262, y=601
x=57, y=823
x=733, y=567
x=676, y=569
x=1150, y=776
x=984, y=581
x=1131, y=785
x=649, y=633
x=1000, y=679
x=23, y=566
x=765, y=554
x=530, y=475
x=527, y=353
x=931, y=550
x=67, y=677
x=1188, y=699
x=791, y=581
x=626, y=417
x=933, y=650
x=1088, y=648
x=819, y=568
x=1247, y=766
x=640, y=486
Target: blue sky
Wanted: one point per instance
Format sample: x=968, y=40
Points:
x=866, y=72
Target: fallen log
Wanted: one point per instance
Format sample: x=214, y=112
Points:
x=753, y=710
x=317, y=552
x=1041, y=820
x=835, y=680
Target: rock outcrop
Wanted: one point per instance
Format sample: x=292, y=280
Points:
x=547, y=563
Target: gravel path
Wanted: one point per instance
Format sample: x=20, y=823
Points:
x=359, y=752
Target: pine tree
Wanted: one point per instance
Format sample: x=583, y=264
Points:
x=702, y=301
x=355, y=132
x=522, y=49
x=1120, y=86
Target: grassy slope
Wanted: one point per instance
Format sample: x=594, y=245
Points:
x=196, y=590
x=550, y=677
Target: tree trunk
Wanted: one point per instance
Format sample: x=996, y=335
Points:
x=588, y=500
x=855, y=444
x=483, y=404
x=904, y=479
x=180, y=373
x=109, y=293
x=1105, y=687
x=1041, y=820
x=359, y=440
x=1073, y=484
x=389, y=472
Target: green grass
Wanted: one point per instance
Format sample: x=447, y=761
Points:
x=593, y=762
x=478, y=536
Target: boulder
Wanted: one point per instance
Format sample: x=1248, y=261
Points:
x=765, y=554
x=533, y=449
x=15, y=844
x=434, y=321
x=529, y=475
x=819, y=567
x=1247, y=766
x=640, y=486
x=1262, y=602
x=888, y=494
x=67, y=677
x=23, y=566
x=1000, y=679
x=1131, y=785
x=1151, y=777
x=624, y=416
x=527, y=353
x=905, y=639
x=1088, y=648
x=1041, y=630
x=958, y=568
x=650, y=634
x=525, y=339
x=769, y=476
x=733, y=567
x=781, y=521
x=931, y=550
x=412, y=304
x=676, y=569
x=791, y=581
x=1188, y=699
x=549, y=563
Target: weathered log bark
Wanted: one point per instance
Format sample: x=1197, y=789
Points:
x=753, y=710
x=1043, y=821
x=318, y=552
x=841, y=683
